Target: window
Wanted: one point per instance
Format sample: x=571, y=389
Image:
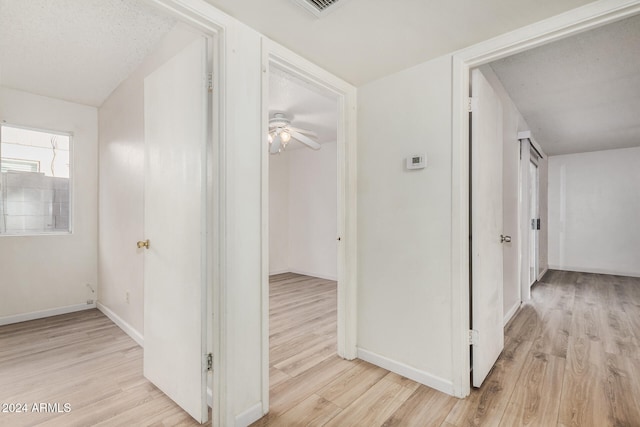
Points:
x=35, y=184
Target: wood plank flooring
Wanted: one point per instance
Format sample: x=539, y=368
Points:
x=571, y=358
x=82, y=359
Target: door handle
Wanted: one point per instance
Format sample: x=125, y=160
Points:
x=143, y=244
x=505, y=239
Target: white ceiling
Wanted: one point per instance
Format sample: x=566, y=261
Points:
x=579, y=94
x=582, y=93
x=306, y=106
x=366, y=39
x=76, y=50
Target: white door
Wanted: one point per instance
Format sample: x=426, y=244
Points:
x=486, y=227
x=175, y=104
x=534, y=219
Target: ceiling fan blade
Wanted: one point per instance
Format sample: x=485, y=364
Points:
x=305, y=140
x=275, y=145
x=303, y=131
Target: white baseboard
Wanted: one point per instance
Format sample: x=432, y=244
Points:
x=318, y=275
x=249, y=416
x=595, y=270
x=407, y=371
x=273, y=273
x=509, y=314
x=541, y=275
x=16, y=318
x=127, y=328
x=305, y=273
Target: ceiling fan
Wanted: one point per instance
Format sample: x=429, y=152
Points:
x=281, y=132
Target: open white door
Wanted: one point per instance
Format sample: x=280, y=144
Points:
x=486, y=227
x=175, y=106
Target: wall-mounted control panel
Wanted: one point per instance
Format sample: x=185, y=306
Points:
x=417, y=161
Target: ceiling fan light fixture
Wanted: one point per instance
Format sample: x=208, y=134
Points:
x=285, y=136
x=281, y=133
x=275, y=143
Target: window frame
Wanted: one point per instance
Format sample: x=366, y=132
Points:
x=70, y=230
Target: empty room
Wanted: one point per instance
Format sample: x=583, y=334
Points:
x=84, y=108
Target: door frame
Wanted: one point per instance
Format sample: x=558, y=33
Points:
x=566, y=24
x=535, y=254
x=276, y=55
x=212, y=24
x=527, y=145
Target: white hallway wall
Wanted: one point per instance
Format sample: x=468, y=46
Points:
x=50, y=273
x=303, y=212
x=594, y=212
x=404, y=222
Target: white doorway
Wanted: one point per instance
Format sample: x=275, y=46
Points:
x=279, y=60
x=500, y=47
x=173, y=131
x=303, y=219
x=303, y=178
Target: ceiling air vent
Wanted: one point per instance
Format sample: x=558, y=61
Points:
x=320, y=7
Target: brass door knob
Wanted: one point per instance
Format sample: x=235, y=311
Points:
x=143, y=244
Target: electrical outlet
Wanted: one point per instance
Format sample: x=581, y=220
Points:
x=89, y=301
x=126, y=297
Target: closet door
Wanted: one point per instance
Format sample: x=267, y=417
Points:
x=534, y=220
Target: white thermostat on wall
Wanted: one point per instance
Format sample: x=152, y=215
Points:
x=417, y=161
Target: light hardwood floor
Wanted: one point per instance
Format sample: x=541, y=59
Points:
x=85, y=360
x=571, y=358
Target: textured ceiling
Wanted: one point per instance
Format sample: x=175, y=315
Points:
x=76, y=50
x=367, y=39
x=581, y=93
x=305, y=105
